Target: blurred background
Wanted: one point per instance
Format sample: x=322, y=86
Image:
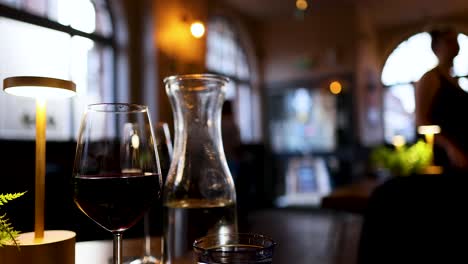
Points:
x=316, y=87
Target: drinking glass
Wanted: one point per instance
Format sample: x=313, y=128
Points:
x=164, y=146
x=234, y=248
x=116, y=174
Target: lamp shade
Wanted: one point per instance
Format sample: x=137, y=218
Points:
x=39, y=87
x=429, y=129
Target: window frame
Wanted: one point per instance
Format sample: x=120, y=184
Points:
x=24, y=16
x=237, y=80
x=238, y=42
x=44, y=22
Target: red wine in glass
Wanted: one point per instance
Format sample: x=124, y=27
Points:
x=116, y=202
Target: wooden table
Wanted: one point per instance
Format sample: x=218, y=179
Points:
x=304, y=236
x=352, y=198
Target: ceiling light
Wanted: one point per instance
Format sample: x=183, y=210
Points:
x=198, y=29
x=301, y=5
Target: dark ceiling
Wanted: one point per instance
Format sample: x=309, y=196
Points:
x=383, y=12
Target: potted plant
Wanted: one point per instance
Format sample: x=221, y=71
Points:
x=402, y=161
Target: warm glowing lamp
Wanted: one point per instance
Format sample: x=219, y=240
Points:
x=335, y=87
x=55, y=243
x=197, y=29
x=429, y=131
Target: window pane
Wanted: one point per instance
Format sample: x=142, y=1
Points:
x=302, y=121
x=93, y=76
x=39, y=51
x=460, y=63
x=79, y=14
x=243, y=71
x=409, y=61
x=256, y=116
x=37, y=7
x=33, y=51
x=230, y=90
x=85, y=15
x=399, y=112
x=211, y=61
x=226, y=56
x=244, y=116
x=12, y=3
x=228, y=59
x=463, y=82
x=224, y=53
x=103, y=19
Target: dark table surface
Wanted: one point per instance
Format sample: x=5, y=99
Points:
x=351, y=198
x=303, y=236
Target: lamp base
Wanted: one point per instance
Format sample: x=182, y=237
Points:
x=433, y=170
x=57, y=246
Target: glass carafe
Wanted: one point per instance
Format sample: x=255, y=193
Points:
x=199, y=195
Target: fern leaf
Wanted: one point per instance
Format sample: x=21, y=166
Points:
x=7, y=233
x=5, y=198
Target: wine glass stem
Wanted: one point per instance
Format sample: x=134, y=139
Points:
x=146, y=227
x=117, y=248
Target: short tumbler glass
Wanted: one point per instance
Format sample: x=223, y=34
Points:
x=234, y=248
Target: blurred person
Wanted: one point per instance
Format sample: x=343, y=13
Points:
x=441, y=101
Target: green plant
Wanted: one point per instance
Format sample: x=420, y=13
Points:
x=402, y=161
x=7, y=233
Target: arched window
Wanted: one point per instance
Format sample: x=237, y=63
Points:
x=225, y=55
x=405, y=65
x=68, y=39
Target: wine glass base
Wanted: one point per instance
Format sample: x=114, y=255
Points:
x=146, y=260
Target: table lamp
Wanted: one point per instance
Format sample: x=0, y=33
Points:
x=52, y=246
x=429, y=131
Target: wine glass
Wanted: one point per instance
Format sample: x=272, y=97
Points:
x=164, y=146
x=116, y=174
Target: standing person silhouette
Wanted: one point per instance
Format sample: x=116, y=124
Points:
x=441, y=101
